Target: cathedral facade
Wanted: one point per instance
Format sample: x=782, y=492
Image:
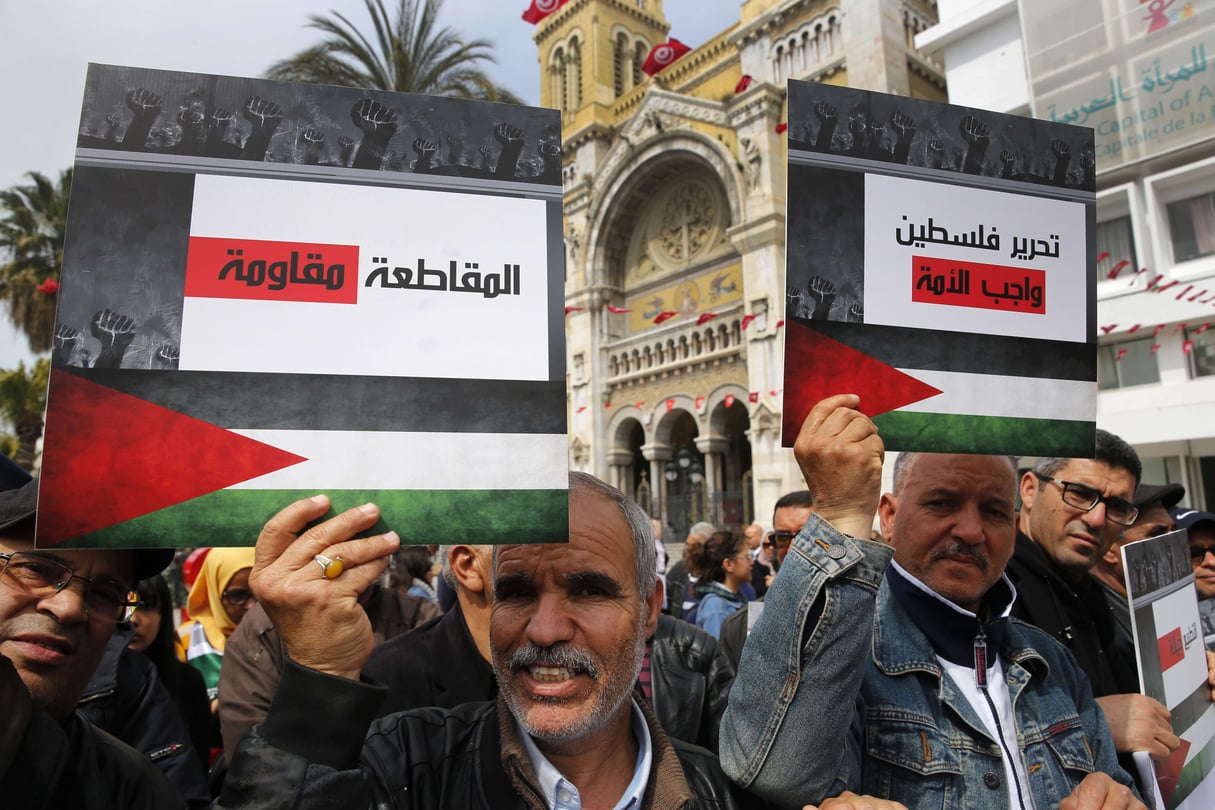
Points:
x=675, y=234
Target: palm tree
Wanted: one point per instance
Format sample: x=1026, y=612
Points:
x=410, y=55
x=22, y=402
x=31, y=232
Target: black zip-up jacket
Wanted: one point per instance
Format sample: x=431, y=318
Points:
x=690, y=679
x=311, y=753
x=1077, y=615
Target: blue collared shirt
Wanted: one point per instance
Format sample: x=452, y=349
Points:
x=560, y=793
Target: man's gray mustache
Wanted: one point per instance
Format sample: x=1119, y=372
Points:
x=556, y=655
x=963, y=550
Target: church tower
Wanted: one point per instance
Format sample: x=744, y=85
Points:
x=591, y=52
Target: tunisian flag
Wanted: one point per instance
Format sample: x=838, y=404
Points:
x=539, y=9
x=662, y=55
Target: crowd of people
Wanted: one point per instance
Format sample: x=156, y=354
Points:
x=960, y=641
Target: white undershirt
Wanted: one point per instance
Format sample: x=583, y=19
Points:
x=997, y=689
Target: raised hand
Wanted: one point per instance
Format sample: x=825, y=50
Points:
x=856, y=313
x=115, y=331
x=67, y=341
x=314, y=145
x=146, y=106
x=904, y=131
x=345, y=149
x=379, y=123
x=511, y=138
x=936, y=153
x=319, y=619
x=425, y=150
x=978, y=137
x=1062, y=150
x=1008, y=160
x=827, y=120
x=265, y=116
x=840, y=455
x=823, y=293
x=166, y=355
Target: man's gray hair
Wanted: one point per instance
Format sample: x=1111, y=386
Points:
x=703, y=528
x=640, y=528
x=642, y=531
x=449, y=576
x=903, y=463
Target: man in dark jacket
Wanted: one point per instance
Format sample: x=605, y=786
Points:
x=58, y=609
x=445, y=662
x=567, y=633
x=689, y=682
x=1072, y=510
x=253, y=658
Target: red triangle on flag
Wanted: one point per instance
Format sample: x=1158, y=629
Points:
x=111, y=457
x=818, y=367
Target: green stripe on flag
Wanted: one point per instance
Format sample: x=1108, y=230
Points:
x=419, y=516
x=957, y=433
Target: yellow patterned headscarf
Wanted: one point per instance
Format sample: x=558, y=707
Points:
x=205, y=604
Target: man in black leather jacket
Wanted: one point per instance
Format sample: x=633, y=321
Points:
x=53, y=632
x=690, y=681
x=568, y=629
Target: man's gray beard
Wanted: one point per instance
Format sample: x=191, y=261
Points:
x=610, y=698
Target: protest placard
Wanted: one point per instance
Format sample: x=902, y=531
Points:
x=1173, y=665
x=938, y=265
x=271, y=290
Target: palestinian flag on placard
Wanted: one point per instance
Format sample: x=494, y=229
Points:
x=955, y=393
x=179, y=458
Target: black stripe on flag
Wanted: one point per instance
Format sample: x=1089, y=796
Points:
x=936, y=350
x=262, y=401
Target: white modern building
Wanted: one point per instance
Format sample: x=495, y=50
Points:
x=1142, y=75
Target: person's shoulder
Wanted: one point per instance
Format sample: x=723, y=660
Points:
x=117, y=770
x=702, y=771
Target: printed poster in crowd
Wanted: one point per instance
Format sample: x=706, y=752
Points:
x=1173, y=666
x=271, y=290
x=939, y=264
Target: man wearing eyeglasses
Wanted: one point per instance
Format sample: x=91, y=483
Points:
x=1073, y=509
x=58, y=608
x=1153, y=502
x=1200, y=526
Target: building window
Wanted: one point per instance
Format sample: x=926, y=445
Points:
x=1202, y=354
x=1117, y=238
x=1192, y=227
x=1131, y=362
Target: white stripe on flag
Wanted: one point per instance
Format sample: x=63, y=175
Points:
x=347, y=459
x=998, y=395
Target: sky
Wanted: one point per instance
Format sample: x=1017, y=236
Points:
x=45, y=48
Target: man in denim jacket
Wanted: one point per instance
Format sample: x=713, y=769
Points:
x=910, y=682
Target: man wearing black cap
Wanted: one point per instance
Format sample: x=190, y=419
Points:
x=1153, y=502
x=1200, y=526
x=58, y=608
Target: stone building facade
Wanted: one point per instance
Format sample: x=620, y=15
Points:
x=675, y=203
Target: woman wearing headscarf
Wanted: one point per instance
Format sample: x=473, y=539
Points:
x=218, y=601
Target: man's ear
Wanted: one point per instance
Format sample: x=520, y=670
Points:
x=464, y=562
x=887, y=506
x=1029, y=491
x=653, y=604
